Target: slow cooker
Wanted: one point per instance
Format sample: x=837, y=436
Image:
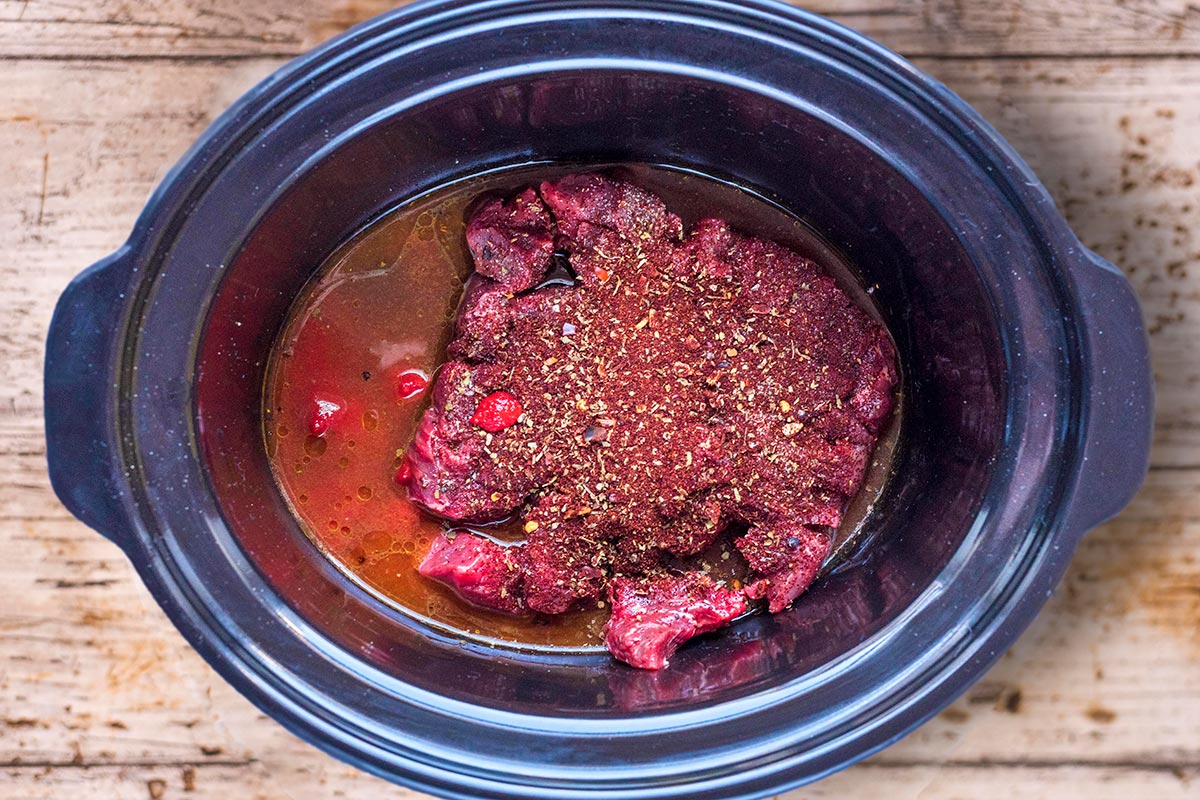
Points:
x=1027, y=390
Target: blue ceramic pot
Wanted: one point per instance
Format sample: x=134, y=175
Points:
x=1028, y=393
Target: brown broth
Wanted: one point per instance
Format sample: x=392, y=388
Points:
x=384, y=303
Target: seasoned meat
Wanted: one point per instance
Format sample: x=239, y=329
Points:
x=787, y=557
x=652, y=617
x=481, y=570
x=682, y=384
x=511, y=243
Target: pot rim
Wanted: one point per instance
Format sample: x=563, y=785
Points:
x=955, y=661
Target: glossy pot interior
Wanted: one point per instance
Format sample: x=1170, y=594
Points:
x=990, y=299
x=927, y=287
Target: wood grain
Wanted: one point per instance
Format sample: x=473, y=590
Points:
x=1113, y=139
x=100, y=697
x=96, y=675
x=221, y=782
x=116, y=29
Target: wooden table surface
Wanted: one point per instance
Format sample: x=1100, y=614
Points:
x=101, y=698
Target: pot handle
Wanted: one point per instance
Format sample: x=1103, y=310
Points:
x=1119, y=423
x=80, y=397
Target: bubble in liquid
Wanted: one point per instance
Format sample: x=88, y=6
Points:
x=364, y=493
x=422, y=540
x=282, y=431
x=377, y=541
x=344, y=462
x=350, y=443
x=315, y=445
x=408, y=548
x=370, y=420
x=306, y=460
x=333, y=526
x=349, y=498
x=302, y=499
x=345, y=529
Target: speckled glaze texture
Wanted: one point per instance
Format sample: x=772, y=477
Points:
x=1026, y=387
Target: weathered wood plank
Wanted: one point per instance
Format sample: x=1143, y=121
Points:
x=227, y=28
x=323, y=778
x=1113, y=141
x=1029, y=782
x=81, y=154
x=219, y=782
x=1078, y=684
x=94, y=675
x=99, y=695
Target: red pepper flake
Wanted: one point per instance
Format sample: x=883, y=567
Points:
x=497, y=411
x=324, y=412
x=603, y=274
x=411, y=383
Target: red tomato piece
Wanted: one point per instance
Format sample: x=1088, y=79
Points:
x=324, y=412
x=411, y=383
x=497, y=411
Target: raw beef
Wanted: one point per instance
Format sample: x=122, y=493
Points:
x=631, y=392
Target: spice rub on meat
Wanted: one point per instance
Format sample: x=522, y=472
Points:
x=632, y=392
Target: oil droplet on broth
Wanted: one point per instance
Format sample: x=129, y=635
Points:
x=424, y=227
x=282, y=431
x=315, y=445
x=377, y=541
x=364, y=493
x=370, y=421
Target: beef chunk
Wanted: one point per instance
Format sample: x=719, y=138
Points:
x=787, y=558
x=651, y=618
x=686, y=382
x=449, y=471
x=511, y=243
x=482, y=571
